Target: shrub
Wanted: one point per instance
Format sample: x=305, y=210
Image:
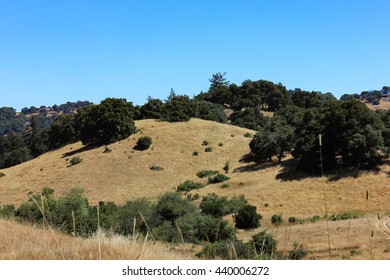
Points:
x=8, y=211
x=264, y=244
x=214, y=205
x=156, y=167
x=315, y=219
x=170, y=206
x=248, y=135
x=226, y=167
x=206, y=173
x=292, y=220
x=236, y=249
x=188, y=186
x=247, y=218
x=237, y=202
x=219, y=178
x=131, y=213
x=205, y=143
x=224, y=186
x=2, y=174
x=220, y=144
x=208, y=150
x=196, y=153
x=75, y=161
x=143, y=143
x=276, y=219
x=297, y=253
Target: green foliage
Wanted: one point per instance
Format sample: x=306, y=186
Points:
x=293, y=220
x=227, y=250
x=205, y=143
x=143, y=143
x=344, y=216
x=264, y=244
x=208, y=149
x=2, y=174
x=226, y=167
x=188, y=186
x=247, y=217
x=7, y=211
x=75, y=161
x=138, y=214
x=108, y=122
x=215, y=205
x=219, y=178
x=195, y=153
x=170, y=206
x=315, y=219
x=297, y=253
x=224, y=186
x=13, y=150
x=250, y=118
x=248, y=135
x=206, y=173
x=152, y=109
x=275, y=139
x=276, y=220
x=178, y=108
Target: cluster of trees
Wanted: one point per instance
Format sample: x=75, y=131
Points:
x=372, y=96
x=350, y=133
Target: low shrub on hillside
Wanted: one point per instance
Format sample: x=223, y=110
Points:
x=2, y=174
x=205, y=143
x=264, y=244
x=75, y=161
x=156, y=168
x=7, y=211
x=188, y=186
x=247, y=217
x=219, y=178
x=206, y=173
x=276, y=219
x=143, y=143
x=208, y=150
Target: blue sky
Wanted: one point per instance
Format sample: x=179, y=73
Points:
x=57, y=51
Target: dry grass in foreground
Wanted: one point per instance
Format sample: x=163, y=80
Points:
x=23, y=242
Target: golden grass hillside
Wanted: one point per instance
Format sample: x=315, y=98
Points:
x=22, y=242
x=124, y=174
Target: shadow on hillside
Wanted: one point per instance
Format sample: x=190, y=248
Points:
x=80, y=150
x=252, y=165
x=289, y=172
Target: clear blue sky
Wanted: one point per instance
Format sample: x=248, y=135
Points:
x=54, y=51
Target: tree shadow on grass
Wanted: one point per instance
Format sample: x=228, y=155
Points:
x=80, y=150
x=289, y=172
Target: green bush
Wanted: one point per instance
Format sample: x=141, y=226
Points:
x=293, y=220
x=297, y=253
x=2, y=174
x=188, y=186
x=224, y=186
x=214, y=205
x=248, y=135
x=315, y=219
x=196, y=153
x=276, y=219
x=208, y=150
x=220, y=144
x=8, y=211
x=75, y=161
x=171, y=206
x=206, y=173
x=143, y=143
x=141, y=212
x=205, y=143
x=226, y=167
x=264, y=244
x=247, y=218
x=219, y=178
x=225, y=250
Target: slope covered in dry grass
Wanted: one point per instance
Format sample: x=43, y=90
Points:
x=124, y=174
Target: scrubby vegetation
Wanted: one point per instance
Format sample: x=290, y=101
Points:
x=143, y=143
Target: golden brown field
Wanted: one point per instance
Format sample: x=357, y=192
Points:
x=124, y=174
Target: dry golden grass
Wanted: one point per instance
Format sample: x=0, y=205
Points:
x=384, y=105
x=23, y=242
x=124, y=174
